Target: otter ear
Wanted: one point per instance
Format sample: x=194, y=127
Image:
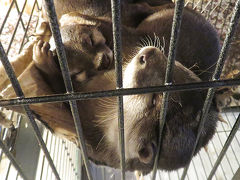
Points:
x=102, y=61
x=77, y=18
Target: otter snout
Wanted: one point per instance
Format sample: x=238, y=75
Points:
x=146, y=54
x=147, y=153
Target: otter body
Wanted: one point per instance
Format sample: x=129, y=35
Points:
x=145, y=65
x=132, y=12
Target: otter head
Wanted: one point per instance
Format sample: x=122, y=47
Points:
x=86, y=50
x=141, y=114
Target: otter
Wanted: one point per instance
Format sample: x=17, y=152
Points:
x=147, y=68
x=86, y=51
x=133, y=11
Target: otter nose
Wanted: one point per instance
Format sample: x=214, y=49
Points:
x=146, y=54
x=147, y=153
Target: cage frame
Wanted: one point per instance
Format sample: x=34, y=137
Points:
x=72, y=96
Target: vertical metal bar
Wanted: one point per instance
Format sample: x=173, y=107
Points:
x=12, y=159
x=17, y=176
x=19, y=93
x=116, y=20
x=57, y=154
x=67, y=79
x=236, y=175
x=215, y=151
x=3, y=132
x=61, y=158
x=216, y=75
x=43, y=162
x=220, y=140
x=225, y=147
x=50, y=150
x=177, y=18
x=9, y=166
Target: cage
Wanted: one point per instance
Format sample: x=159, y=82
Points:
x=21, y=157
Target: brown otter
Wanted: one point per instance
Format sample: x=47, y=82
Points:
x=147, y=68
x=86, y=51
x=133, y=11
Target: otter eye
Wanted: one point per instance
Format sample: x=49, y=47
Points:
x=154, y=100
x=142, y=59
x=88, y=40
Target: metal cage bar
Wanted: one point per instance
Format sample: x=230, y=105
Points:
x=18, y=90
x=225, y=147
x=26, y=29
x=216, y=76
x=67, y=79
x=71, y=96
x=118, y=92
x=168, y=77
x=117, y=46
x=12, y=160
x=16, y=27
x=5, y=19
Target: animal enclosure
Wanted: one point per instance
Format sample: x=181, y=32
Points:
x=59, y=159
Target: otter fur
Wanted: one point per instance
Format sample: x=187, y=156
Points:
x=144, y=66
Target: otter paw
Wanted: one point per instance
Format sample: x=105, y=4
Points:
x=4, y=121
x=43, y=57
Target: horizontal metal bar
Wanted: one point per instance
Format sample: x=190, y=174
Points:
x=18, y=90
x=216, y=76
x=177, y=18
x=67, y=79
x=225, y=147
x=12, y=159
x=231, y=109
x=118, y=92
x=117, y=42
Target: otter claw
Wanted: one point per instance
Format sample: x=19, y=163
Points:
x=222, y=120
x=138, y=175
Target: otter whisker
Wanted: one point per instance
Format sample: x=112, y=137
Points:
x=151, y=41
x=148, y=41
x=100, y=141
x=143, y=42
x=140, y=44
x=163, y=46
x=159, y=42
x=155, y=40
x=206, y=70
x=195, y=65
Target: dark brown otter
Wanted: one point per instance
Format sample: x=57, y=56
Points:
x=147, y=68
x=133, y=11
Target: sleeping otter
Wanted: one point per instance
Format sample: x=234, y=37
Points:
x=147, y=68
x=133, y=11
x=86, y=51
